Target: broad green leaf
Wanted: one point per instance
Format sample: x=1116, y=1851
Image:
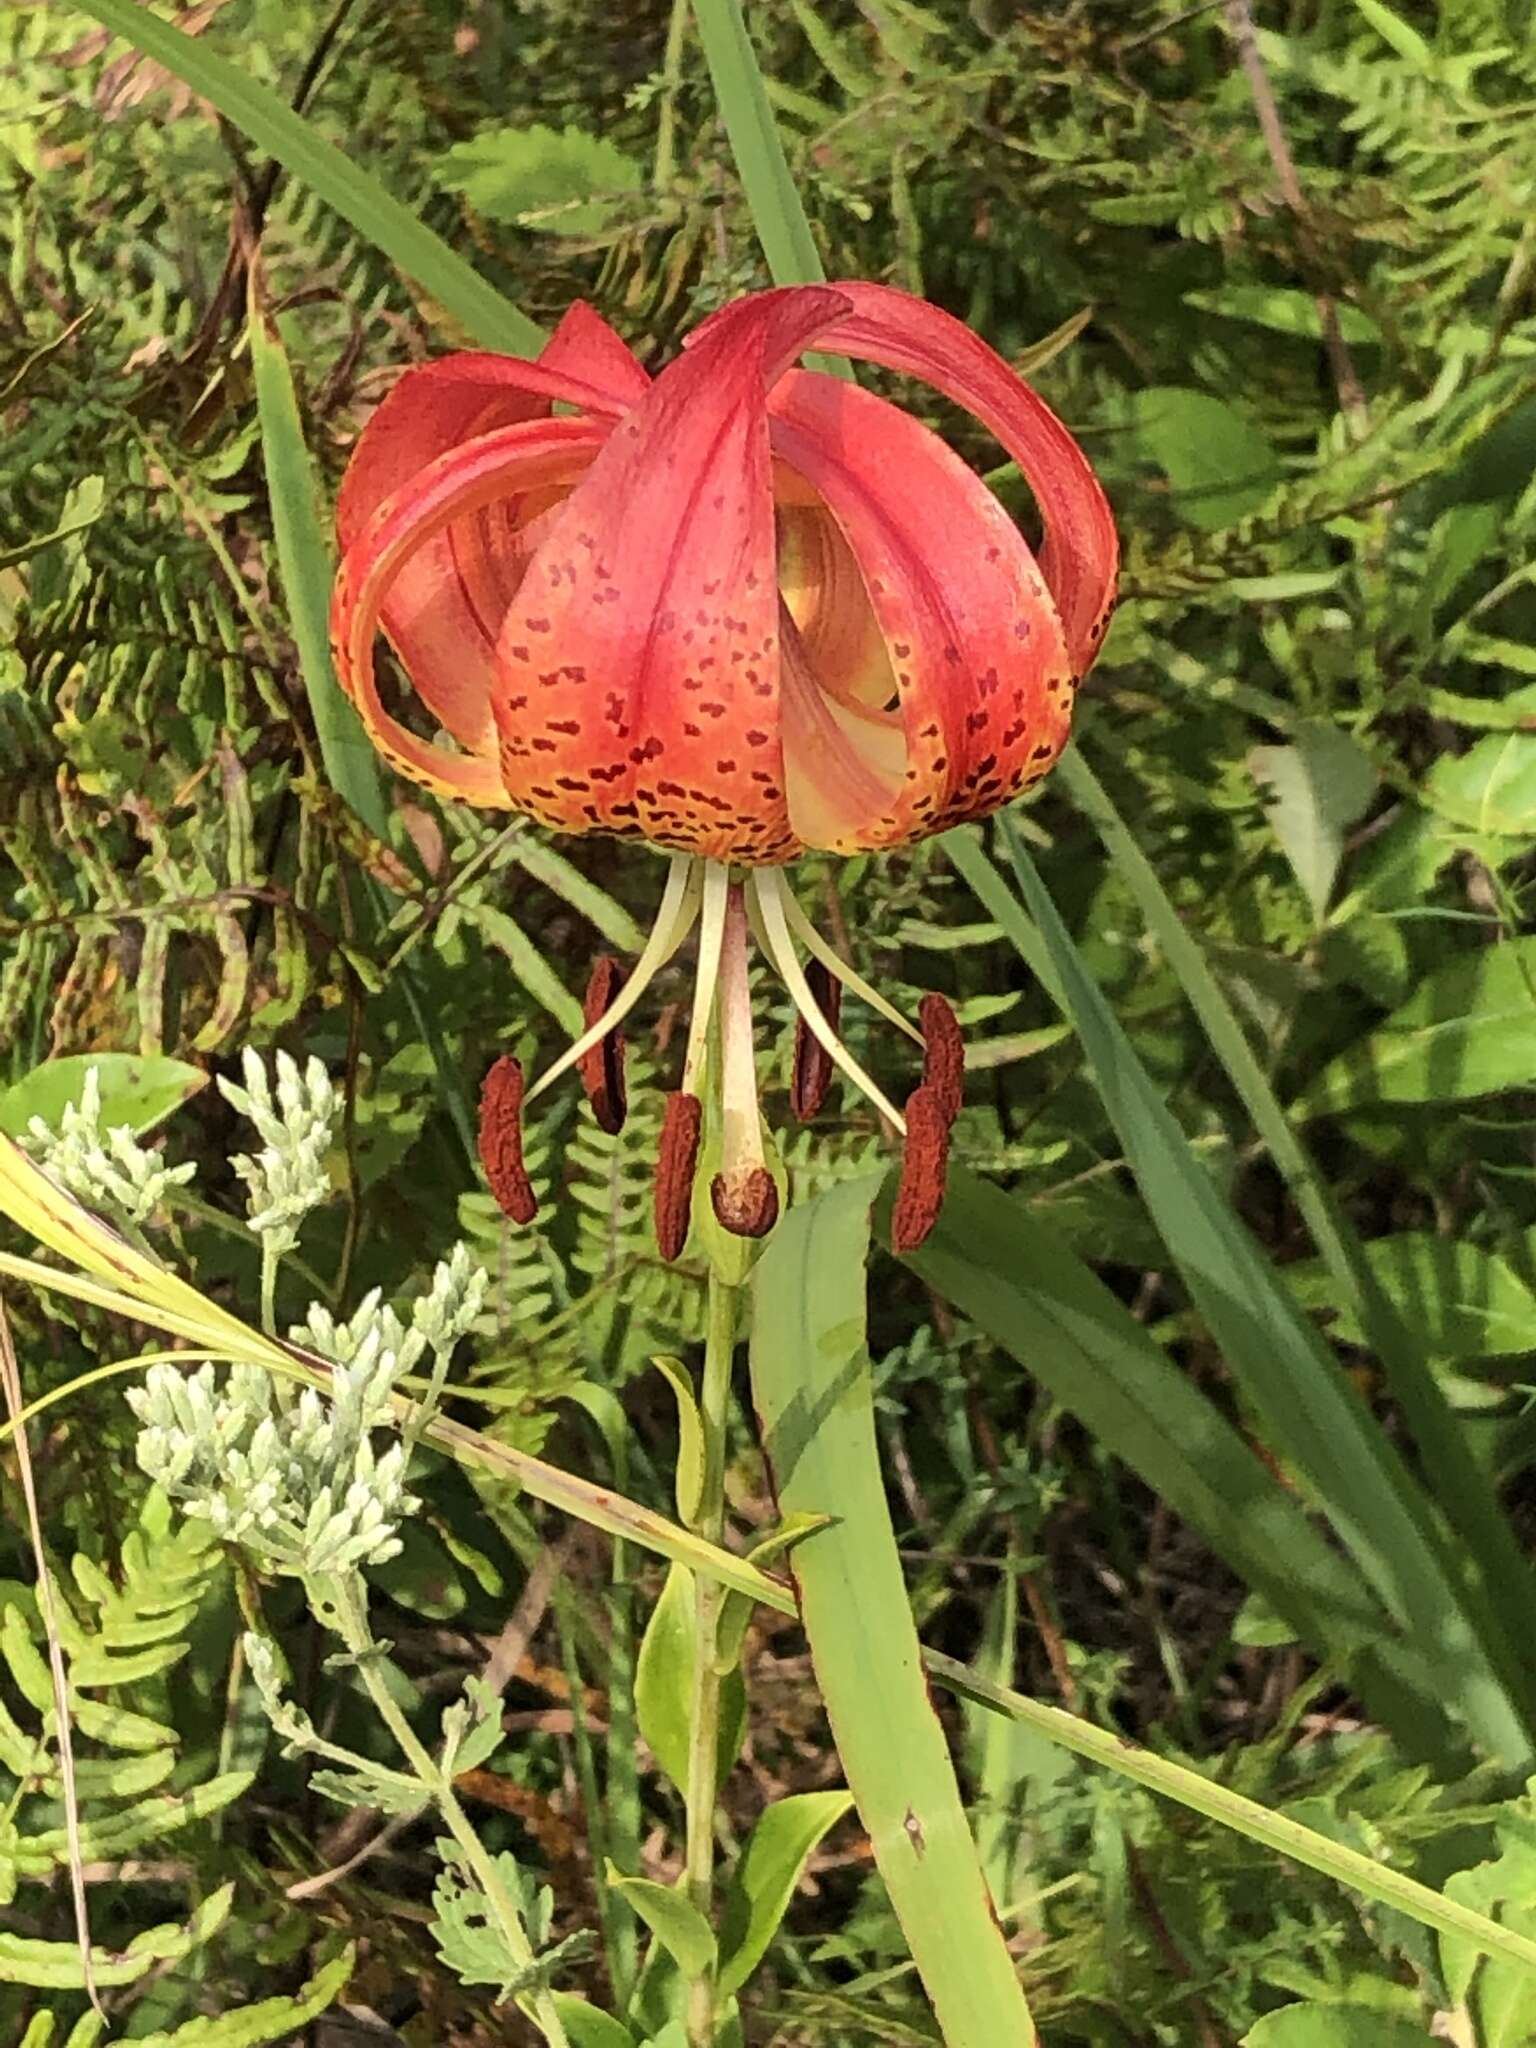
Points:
x=306, y=563
x=270, y=2021
x=1282, y=308
x=1335, y=2026
x=356, y=194
x=1468, y=1029
x=586, y=2027
x=1219, y=464
x=1316, y=787
x=764, y=1880
x=57, y=1965
x=139, y=1090
x=675, y=1921
x=1467, y=1303
x=664, y=1684
x=558, y=181
x=812, y=1385
x=1491, y=787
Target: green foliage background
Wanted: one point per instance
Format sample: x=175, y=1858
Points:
x=1317, y=709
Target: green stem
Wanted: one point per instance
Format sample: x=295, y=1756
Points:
x=708, y=1597
x=352, y=1625
x=271, y=1259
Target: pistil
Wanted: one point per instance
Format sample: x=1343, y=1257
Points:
x=745, y=1198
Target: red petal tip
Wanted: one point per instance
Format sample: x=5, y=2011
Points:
x=676, y=1160
x=746, y=1203
x=602, y=1069
x=501, y=1140
x=924, y=1169
x=812, y=1074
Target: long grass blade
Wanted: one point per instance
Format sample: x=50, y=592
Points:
x=1313, y=1414
x=1364, y=1874
x=305, y=561
x=1018, y=1281
x=493, y=321
x=812, y=1385
x=1470, y=1504
x=782, y=227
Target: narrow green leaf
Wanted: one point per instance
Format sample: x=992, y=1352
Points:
x=305, y=562
x=1335, y=2026
x=690, y=1437
x=745, y=108
x=1015, y=1278
x=763, y=1882
x=664, y=1684
x=57, y=1965
x=675, y=1921
x=1407, y=42
x=1367, y=1875
x=1314, y=1415
x=1285, y=309
x=526, y=962
x=356, y=194
x=1465, y=1497
x=811, y=1382
x=586, y=2027
x=272, y=2020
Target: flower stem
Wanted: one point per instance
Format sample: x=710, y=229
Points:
x=351, y=1617
x=708, y=1597
x=271, y=1259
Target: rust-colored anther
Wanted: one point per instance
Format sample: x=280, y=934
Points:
x=813, y=1063
x=501, y=1140
x=746, y=1203
x=943, y=1053
x=924, y=1168
x=676, y=1161
x=602, y=1069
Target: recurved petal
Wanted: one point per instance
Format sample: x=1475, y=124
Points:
x=981, y=668
x=638, y=689
x=532, y=458
x=446, y=603
x=1081, y=554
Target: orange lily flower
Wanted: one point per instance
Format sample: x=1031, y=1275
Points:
x=741, y=610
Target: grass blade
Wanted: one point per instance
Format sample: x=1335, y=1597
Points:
x=777, y=214
x=1364, y=1874
x=811, y=1383
x=358, y=196
x=304, y=559
x=1014, y=1278
x=1313, y=1414
x=1469, y=1502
